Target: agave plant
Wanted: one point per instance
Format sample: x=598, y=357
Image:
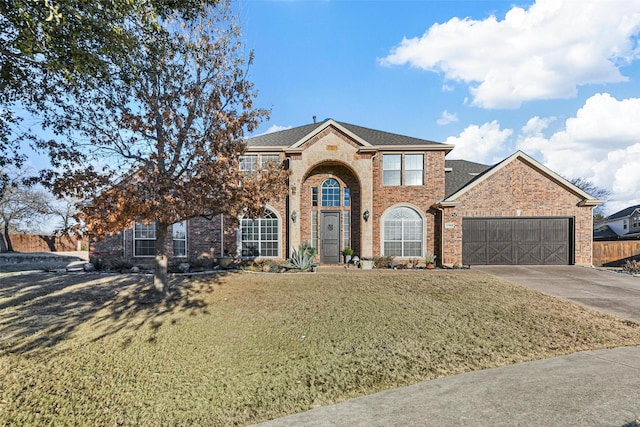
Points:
x=302, y=259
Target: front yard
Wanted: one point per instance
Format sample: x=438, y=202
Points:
x=240, y=348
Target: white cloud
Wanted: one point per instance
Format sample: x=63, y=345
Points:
x=275, y=128
x=543, y=52
x=601, y=143
x=536, y=125
x=447, y=118
x=482, y=144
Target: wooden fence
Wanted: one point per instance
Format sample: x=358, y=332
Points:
x=35, y=243
x=615, y=253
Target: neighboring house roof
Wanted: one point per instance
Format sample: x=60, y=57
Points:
x=461, y=172
x=298, y=135
x=587, y=199
x=604, y=233
x=623, y=213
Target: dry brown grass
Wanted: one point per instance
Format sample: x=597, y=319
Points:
x=243, y=348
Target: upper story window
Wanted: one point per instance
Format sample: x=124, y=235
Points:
x=413, y=167
x=314, y=196
x=266, y=159
x=346, y=198
x=330, y=193
x=392, y=169
x=251, y=162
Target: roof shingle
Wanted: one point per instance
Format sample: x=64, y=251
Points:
x=288, y=137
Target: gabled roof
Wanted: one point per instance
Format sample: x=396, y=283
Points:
x=623, y=213
x=587, y=199
x=459, y=173
x=295, y=137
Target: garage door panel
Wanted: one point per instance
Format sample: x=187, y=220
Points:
x=529, y=253
x=527, y=230
x=554, y=254
x=499, y=253
x=510, y=241
x=476, y=252
x=499, y=231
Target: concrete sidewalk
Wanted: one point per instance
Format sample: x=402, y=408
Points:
x=593, y=388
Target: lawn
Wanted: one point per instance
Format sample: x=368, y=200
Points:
x=241, y=348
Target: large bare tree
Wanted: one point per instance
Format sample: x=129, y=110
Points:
x=161, y=143
x=22, y=207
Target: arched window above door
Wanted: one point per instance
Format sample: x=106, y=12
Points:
x=330, y=192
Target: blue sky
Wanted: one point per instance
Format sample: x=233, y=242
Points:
x=558, y=79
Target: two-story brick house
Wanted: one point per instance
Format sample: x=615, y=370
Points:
x=386, y=194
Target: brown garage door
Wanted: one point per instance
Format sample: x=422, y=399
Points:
x=517, y=241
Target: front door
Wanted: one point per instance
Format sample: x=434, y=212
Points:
x=330, y=238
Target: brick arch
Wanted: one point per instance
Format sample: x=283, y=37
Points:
x=346, y=177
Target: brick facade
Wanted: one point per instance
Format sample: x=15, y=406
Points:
x=330, y=150
x=518, y=190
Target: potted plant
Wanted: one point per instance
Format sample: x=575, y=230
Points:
x=348, y=253
x=430, y=260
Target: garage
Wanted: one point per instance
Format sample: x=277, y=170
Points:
x=518, y=241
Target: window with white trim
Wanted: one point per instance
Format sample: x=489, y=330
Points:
x=179, y=239
x=392, y=169
x=144, y=239
x=402, y=233
x=249, y=163
x=259, y=236
x=346, y=229
x=266, y=159
x=413, y=169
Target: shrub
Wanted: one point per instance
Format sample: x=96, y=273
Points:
x=302, y=259
x=385, y=262
x=98, y=263
x=201, y=263
x=118, y=264
x=632, y=266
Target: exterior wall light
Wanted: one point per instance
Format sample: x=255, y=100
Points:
x=366, y=215
x=294, y=216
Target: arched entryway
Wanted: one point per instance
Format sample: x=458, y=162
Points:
x=330, y=210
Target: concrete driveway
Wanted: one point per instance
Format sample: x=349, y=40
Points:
x=607, y=291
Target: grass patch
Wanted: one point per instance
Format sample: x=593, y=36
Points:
x=243, y=348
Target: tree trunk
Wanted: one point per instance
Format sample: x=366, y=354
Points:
x=3, y=246
x=50, y=241
x=7, y=238
x=161, y=277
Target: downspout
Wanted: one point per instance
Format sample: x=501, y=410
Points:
x=441, y=254
x=221, y=235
